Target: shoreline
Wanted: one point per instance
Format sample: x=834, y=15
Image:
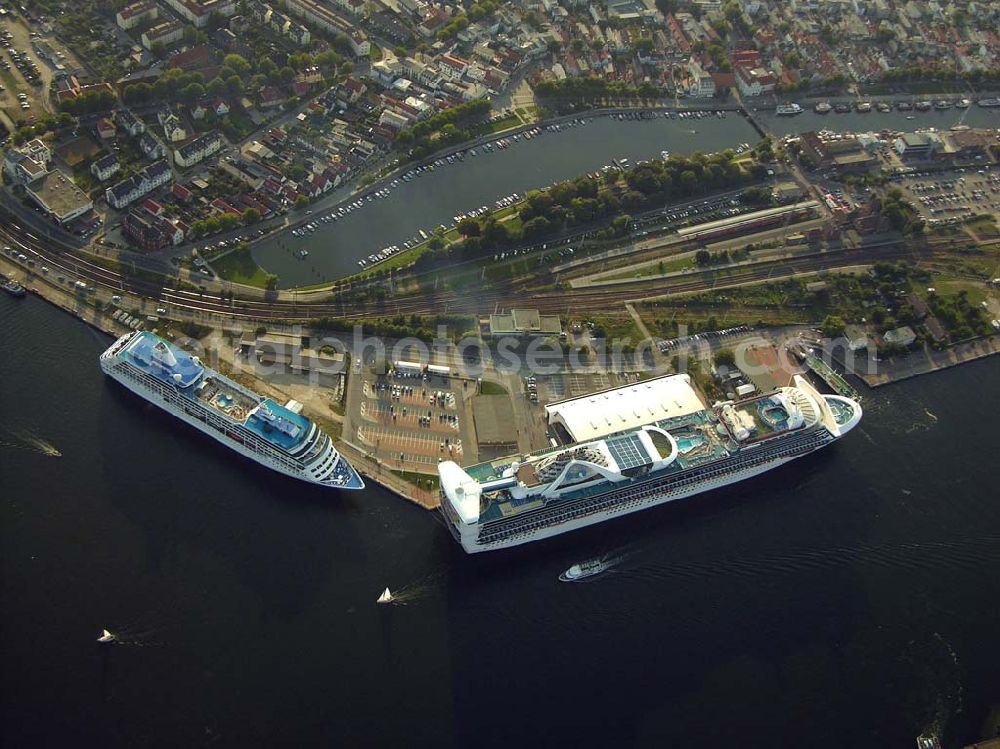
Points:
x=927, y=361
x=915, y=364
x=91, y=316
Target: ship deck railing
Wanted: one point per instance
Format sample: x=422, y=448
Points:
x=570, y=507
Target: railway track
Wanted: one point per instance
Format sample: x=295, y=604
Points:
x=68, y=261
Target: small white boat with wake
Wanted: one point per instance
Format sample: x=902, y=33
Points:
x=107, y=638
x=386, y=597
x=590, y=568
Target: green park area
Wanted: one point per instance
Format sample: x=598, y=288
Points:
x=491, y=388
x=240, y=267
x=889, y=295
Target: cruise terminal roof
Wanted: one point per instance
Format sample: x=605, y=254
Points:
x=627, y=407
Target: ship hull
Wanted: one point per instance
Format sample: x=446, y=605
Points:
x=470, y=543
x=232, y=444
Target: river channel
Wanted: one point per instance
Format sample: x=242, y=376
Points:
x=434, y=198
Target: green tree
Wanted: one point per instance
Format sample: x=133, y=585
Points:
x=724, y=357
x=137, y=93
x=251, y=216
x=191, y=93
x=237, y=63
x=469, y=227
x=216, y=87
x=537, y=227
x=833, y=326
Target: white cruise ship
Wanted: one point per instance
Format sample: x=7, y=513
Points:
x=273, y=435
x=630, y=448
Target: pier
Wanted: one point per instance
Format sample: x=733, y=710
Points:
x=831, y=377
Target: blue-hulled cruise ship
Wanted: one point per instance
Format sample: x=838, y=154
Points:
x=274, y=435
x=630, y=448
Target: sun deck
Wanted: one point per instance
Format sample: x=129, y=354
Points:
x=843, y=411
x=695, y=434
x=220, y=395
x=278, y=425
x=263, y=416
x=680, y=425
x=164, y=361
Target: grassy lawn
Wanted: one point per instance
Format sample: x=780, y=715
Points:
x=14, y=87
x=667, y=265
x=491, y=388
x=375, y=53
x=948, y=285
x=976, y=261
x=240, y=267
x=511, y=120
x=399, y=260
x=420, y=480
x=617, y=327
x=659, y=318
x=241, y=121
x=984, y=227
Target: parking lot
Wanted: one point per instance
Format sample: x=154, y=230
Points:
x=410, y=420
x=706, y=337
x=24, y=77
x=543, y=389
x=952, y=195
x=689, y=214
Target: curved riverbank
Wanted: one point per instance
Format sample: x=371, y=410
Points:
x=434, y=198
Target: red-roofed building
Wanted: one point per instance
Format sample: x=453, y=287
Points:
x=137, y=13
x=150, y=232
x=223, y=207
x=317, y=184
x=75, y=89
x=453, y=67
x=270, y=96
x=384, y=132
x=250, y=202
x=181, y=193
x=745, y=57
x=152, y=207
x=196, y=58
x=678, y=35
x=723, y=82
x=754, y=81
x=436, y=18
x=357, y=89
x=105, y=128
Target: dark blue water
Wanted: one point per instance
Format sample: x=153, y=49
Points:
x=436, y=197
x=849, y=599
